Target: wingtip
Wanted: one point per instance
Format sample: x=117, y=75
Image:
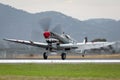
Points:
x=4, y=39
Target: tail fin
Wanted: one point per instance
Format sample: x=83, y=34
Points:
x=85, y=40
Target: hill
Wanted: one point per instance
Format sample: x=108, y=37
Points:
x=19, y=24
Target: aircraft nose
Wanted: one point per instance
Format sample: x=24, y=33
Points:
x=46, y=34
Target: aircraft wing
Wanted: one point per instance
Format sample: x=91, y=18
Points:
x=37, y=44
x=82, y=46
x=68, y=46
x=86, y=46
x=95, y=45
x=42, y=45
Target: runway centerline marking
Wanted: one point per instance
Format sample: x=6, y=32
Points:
x=59, y=61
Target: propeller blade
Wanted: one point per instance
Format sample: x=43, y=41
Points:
x=45, y=24
x=57, y=29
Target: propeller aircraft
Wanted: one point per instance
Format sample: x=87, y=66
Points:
x=62, y=44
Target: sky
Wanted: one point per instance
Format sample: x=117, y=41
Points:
x=80, y=9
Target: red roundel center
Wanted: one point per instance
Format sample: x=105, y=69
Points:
x=46, y=34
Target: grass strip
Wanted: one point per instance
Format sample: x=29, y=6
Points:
x=62, y=70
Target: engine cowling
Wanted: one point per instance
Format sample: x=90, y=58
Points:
x=51, y=40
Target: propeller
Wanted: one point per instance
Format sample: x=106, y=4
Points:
x=46, y=27
x=45, y=24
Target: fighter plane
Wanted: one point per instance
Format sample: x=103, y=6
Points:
x=62, y=44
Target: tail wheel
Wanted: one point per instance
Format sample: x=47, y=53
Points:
x=63, y=56
x=84, y=52
x=45, y=56
x=83, y=55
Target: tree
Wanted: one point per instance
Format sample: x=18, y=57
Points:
x=99, y=40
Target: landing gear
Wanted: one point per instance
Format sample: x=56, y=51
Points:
x=63, y=56
x=83, y=55
x=45, y=56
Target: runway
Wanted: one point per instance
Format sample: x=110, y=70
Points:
x=59, y=61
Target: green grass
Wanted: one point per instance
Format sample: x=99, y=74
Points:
x=62, y=70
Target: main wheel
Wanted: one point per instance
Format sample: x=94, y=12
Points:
x=45, y=56
x=63, y=56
